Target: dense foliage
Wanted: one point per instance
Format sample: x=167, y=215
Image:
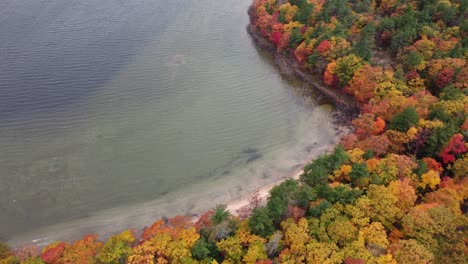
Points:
x=393, y=191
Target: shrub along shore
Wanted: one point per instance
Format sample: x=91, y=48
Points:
x=393, y=191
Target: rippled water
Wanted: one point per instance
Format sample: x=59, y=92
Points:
x=115, y=112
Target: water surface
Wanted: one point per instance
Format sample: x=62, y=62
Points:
x=115, y=112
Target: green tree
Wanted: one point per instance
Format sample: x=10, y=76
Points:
x=295, y=38
x=362, y=48
x=220, y=214
x=346, y=66
x=260, y=222
x=359, y=174
x=201, y=249
x=280, y=197
x=403, y=38
x=404, y=120
x=412, y=60
x=304, y=12
x=316, y=172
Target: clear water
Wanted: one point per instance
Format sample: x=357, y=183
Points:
x=116, y=112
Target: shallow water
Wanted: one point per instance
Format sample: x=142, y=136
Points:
x=113, y=113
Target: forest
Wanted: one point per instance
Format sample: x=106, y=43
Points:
x=393, y=191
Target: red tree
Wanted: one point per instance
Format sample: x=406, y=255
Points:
x=444, y=77
x=455, y=146
x=53, y=252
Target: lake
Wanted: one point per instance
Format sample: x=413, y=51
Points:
x=116, y=112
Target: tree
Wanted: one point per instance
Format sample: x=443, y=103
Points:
x=383, y=207
x=368, y=125
x=295, y=238
x=377, y=144
x=275, y=244
x=394, y=167
x=459, y=168
x=156, y=228
x=444, y=77
x=402, y=38
x=404, y=191
x=82, y=251
x=243, y=247
x=362, y=48
x=324, y=48
x=204, y=221
x=288, y=11
x=283, y=42
x=255, y=252
x=260, y=223
x=430, y=179
x=220, y=214
x=432, y=225
x=117, y=248
x=295, y=37
x=52, y=253
x=201, y=249
x=363, y=83
x=432, y=164
x=5, y=251
x=403, y=121
x=375, y=238
x=414, y=61
x=346, y=67
x=341, y=231
x=454, y=147
x=316, y=172
x=425, y=47
x=143, y=253
x=447, y=196
x=329, y=77
x=410, y=251
x=303, y=51
x=444, y=69
x=304, y=13
x=360, y=175
x=174, y=247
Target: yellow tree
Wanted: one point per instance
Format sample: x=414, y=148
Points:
x=375, y=238
x=404, y=191
x=430, y=179
x=341, y=231
x=288, y=11
x=296, y=236
x=117, y=248
x=410, y=251
x=243, y=247
x=322, y=253
x=166, y=245
x=82, y=251
x=459, y=167
x=143, y=253
x=382, y=206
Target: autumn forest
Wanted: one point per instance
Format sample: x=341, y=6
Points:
x=393, y=191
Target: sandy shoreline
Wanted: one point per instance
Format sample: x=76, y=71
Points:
x=239, y=206
x=235, y=207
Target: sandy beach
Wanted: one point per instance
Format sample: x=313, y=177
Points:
x=244, y=204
